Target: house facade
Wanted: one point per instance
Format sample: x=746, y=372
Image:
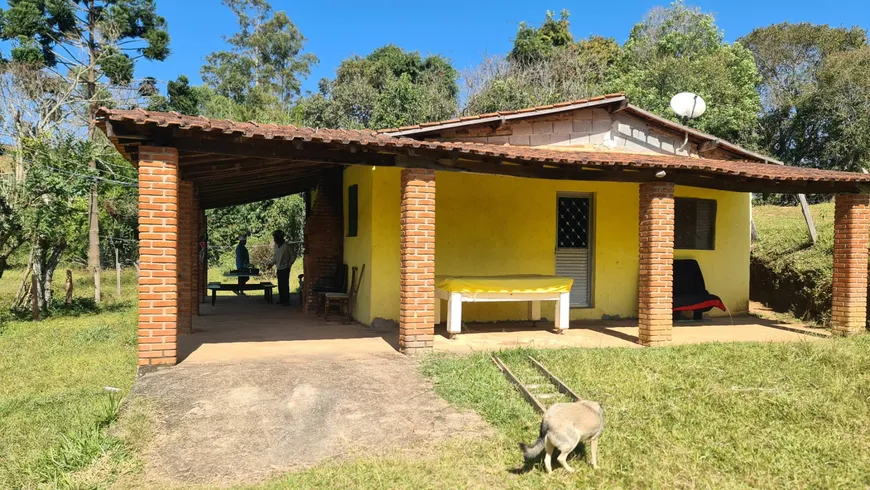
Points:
x=596, y=190
x=587, y=230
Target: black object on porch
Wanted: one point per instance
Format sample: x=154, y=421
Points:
x=690, y=291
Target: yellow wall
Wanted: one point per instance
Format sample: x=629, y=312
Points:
x=358, y=249
x=489, y=224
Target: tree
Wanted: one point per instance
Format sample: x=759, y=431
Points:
x=259, y=77
x=802, y=92
x=180, y=97
x=97, y=42
x=545, y=66
x=534, y=45
x=390, y=87
x=680, y=49
x=53, y=202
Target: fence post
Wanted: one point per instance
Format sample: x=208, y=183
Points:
x=69, y=287
x=118, y=273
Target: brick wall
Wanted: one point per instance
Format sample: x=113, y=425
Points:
x=656, y=268
x=158, y=233
x=851, y=228
x=185, y=267
x=417, y=272
x=324, y=234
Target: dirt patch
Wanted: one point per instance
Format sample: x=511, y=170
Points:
x=232, y=423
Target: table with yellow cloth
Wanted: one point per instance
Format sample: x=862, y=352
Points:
x=533, y=288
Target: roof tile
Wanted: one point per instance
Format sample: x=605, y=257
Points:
x=593, y=159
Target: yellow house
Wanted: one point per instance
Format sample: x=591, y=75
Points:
x=590, y=209
x=491, y=225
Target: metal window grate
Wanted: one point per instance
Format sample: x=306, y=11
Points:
x=573, y=229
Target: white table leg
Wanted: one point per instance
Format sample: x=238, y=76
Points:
x=454, y=314
x=437, y=310
x=534, y=310
x=562, y=312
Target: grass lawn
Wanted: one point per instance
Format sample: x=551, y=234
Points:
x=788, y=273
x=709, y=416
x=714, y=416
x=54, y=410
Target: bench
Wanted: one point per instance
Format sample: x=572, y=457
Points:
x=266, y=287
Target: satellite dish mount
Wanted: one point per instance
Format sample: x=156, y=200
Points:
x=688, y=106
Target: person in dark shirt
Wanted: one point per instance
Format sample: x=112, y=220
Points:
x=243, y=261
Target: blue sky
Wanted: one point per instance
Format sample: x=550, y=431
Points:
x=464, y=31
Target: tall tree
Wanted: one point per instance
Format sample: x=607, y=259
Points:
x=96, y=42
x=390, y=87
x=180, y=97
x=545, y=66
x=260, y=75
x=680, y=49
x=807, y=72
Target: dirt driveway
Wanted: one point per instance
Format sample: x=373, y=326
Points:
x=228, y=423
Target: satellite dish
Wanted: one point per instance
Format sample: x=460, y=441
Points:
x=688, y=105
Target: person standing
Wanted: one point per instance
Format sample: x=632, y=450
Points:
x=281, y=261
x=243, y=261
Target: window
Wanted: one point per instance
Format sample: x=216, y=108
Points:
x=573, y=231
x=694, y=223
x=352, y=210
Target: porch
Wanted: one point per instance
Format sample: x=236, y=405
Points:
x=189, y=164
x=245, y=329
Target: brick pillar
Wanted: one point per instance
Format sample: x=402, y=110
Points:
x=203, y=263
x=186, y=212
x=851, y=228
x=417, y=273
x=158, y=233
x=324, y=234
x=656, y=271
x=193, y=250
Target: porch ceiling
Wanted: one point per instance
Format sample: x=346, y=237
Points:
x=234, y=163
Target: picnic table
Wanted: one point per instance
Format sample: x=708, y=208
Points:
x=266, y=287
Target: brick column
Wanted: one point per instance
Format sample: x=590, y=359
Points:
x=203, y=264
x=324, y=235
x=185, y=241
x=851, y=228
x=193, y=250
x=417, y=273
x=656, y=271
x=158, y=234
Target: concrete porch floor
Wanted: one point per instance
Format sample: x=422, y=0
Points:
x=247, y=328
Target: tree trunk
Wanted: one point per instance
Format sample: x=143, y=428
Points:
x=93, y=205
x=69, y=287
x=23, y=288
x=48, y=274
x=117, y=276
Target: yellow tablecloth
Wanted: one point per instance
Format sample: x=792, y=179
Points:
x=520, y=283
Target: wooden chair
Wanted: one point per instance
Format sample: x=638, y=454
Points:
x=347, y=299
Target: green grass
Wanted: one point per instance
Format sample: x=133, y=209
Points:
x=54, y=410
x=788, y=273
x=713, y=415
x=708, y=416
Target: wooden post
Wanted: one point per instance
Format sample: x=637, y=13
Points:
x=118, y=274
x=34, y=296
x=69, y=287
x=805, y=207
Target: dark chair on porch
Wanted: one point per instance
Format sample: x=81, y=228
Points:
x=690, y=291
x=336, y=283
x=346, y=300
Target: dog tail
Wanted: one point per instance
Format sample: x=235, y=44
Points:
x=535, y=450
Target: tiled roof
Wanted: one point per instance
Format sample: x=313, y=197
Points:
x=473, y=151
x=527, y=112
